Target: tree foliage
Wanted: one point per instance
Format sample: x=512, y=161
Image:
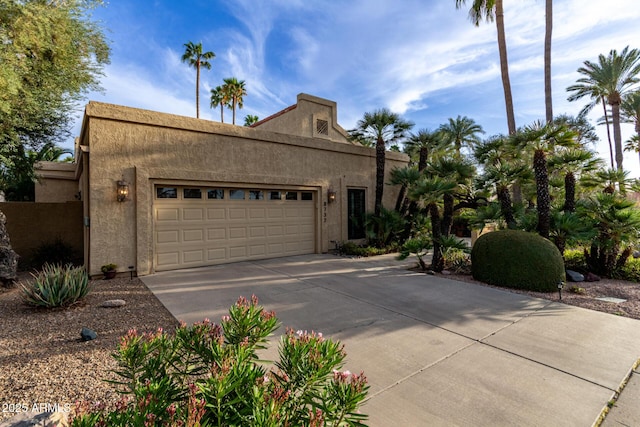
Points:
x=52, y=55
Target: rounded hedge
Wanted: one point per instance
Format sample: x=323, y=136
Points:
x=517, y=259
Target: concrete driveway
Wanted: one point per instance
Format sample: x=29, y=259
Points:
x=435, y=351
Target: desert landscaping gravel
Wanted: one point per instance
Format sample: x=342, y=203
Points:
x=44, y=362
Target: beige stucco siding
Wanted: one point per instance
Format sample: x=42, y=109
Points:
x=147, y=148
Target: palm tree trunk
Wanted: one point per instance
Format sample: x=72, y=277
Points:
x=198, y=90
x=617, y=137
x=505, y=206
x=569, y=192
x=233, y=106
x=401, y=196
x=606, y=120
x=504, y=67
x=221, y=113
x=437, y=263
x=424, y=155
x=542, y=191
x=547, y=60
x=447, y=214
x=380, y=161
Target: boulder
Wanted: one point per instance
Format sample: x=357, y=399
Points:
x=590, y=277
x=113, y=303
x=574, y=276
x=8, y=258
x=87, y=334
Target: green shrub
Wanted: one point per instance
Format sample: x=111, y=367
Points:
x=56, y=252
x=517, y=259
x=209, y=374
x=351, y=248
x=629, y=271
x=56, y=286
x=574, y=260
x=457, y=261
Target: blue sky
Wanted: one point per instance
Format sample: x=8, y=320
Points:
x=421, y=58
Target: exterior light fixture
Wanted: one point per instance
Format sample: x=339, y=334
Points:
x=331, y=195
x=123, y=190
x=560, y=286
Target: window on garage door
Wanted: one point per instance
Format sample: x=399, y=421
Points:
x=355, y=213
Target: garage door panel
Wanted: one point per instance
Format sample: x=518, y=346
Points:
x=168, y=236
x=257, y=231
x=214, y=255
x=237, y=233
x=199, y=232
x=171, y=259
x=193, y=235
x=257, y=250
x=257, y=213
x=190, y=214
x=193, y=256
x=275, y=213
x=216, y=214
x=237, y=252
x=216, y=234
x=237, y=213
x=167, y=214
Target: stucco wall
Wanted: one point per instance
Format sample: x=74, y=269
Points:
x=56, y=190
x=32, y=224
x=301, y=120
x=147, y=148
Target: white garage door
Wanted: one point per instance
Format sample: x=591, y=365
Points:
x=198, y=226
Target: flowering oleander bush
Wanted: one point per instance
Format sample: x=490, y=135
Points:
x=209, y=374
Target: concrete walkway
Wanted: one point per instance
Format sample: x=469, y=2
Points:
x=435, y=351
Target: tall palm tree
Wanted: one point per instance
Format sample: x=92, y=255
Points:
x=491, y=10
x=543, y=139
x=235, y=91
x=461, y=131
x=631, y=114
x=548, y=101
x=384, y=127
x=250, y=119
x=424, y=144
x=196, y=58
x=219, y=98
x=610, y=78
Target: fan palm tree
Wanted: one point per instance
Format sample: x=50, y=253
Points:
x=219, y=98
x=384, y=127
x=424, y=144
x=461, y=131
x=610, y=78
x=543, y=139
x=196, y=58
x=631, y=114
x=235, y=91
x=491, y=10
x=250, y=119
x=571, y=162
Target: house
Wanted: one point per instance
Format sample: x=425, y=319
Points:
x=164, y=192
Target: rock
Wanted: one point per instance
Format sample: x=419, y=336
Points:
x=113, y=303
x=590, y=277
x=636, y=254
x=88, y=334
x=574, y=276
x=445, y=272
x=8, y=258
x=431, y=272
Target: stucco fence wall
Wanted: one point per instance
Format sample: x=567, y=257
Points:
x=32, y=224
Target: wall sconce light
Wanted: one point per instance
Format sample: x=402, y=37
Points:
x=123, y=190
x=331, y=195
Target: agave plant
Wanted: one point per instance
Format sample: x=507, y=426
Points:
x=56, y=286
